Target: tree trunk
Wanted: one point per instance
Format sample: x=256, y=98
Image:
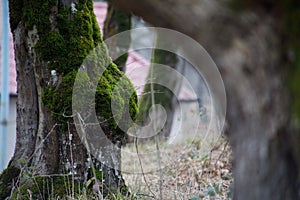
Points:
x=162, y=95
x=116, y=22
x=52, y=39
x=246, y=47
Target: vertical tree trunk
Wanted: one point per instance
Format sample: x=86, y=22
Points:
x=247, y=49
x=164, y=96
x=52, y=39
x=116, y=22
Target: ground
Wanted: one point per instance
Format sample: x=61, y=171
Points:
x=191, y=170
x=188, y=172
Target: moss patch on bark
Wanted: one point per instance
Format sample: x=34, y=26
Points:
x=67, y=34
x=7, y=178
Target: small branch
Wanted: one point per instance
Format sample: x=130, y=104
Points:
x=141, y=165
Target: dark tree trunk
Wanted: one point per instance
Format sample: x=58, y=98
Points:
x=246, y=47
x=52, y=38
x=117, y=21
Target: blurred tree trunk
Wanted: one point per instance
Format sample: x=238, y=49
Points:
x=162, y=95
x=52, y=38
x=116, y=22
x=247, y=48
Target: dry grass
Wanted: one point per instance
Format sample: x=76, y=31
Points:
x=189, y=171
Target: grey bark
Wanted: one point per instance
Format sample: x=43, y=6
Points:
x=33, y=120
x=40, y=142
x=246, y=48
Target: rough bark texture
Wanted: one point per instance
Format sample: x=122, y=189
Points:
x=28, y=105
x=58, y=35
x=247, y=49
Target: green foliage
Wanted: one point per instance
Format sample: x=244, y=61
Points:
x=7, y=178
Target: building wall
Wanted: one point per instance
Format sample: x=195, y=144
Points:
x=11, y=137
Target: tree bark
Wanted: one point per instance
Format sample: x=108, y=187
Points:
x=246, y=47
x=52, y=39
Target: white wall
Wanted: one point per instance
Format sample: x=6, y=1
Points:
x=11, y=137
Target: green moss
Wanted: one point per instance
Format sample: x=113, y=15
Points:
x=108, y=83
x=51, y=47
x=65, y=48
x=59, y=100
x=60, y=187
x=7, y=179
x=110, y=86
x=63, y=45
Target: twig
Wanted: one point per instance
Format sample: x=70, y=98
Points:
x=154, y=128
x=141, y=165
x=146, y=195
x=219, y=157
